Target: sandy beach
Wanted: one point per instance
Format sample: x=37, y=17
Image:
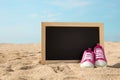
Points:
x=22, y=62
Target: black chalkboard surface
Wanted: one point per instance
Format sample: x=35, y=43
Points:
x=65, y=42
x=68, y=43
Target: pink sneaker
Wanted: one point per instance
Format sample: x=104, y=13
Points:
x=87, y=59
x=100, y=59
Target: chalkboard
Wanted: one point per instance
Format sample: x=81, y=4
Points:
x=67, y=41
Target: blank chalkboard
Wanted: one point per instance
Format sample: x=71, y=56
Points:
x=65, y=42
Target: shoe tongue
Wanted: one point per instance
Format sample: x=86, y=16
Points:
x=98, y=45
x=89, y=50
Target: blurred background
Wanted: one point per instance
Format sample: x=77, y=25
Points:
x=20, y=20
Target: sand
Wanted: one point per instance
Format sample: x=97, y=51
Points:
x=22, y=62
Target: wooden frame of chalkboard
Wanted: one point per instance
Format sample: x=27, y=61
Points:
x=54, y=33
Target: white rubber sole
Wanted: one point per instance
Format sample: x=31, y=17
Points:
x=86, y=65
x=100, y=63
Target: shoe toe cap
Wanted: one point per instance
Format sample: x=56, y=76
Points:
x=86, y=65
x=100, y=63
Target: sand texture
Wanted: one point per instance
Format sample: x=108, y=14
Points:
x=22, y=62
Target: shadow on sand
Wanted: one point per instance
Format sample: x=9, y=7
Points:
x=117, y=65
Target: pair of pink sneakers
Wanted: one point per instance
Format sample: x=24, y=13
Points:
x=94, y=58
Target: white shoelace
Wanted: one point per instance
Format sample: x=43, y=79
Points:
x=99, y=53
x=88, y=56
